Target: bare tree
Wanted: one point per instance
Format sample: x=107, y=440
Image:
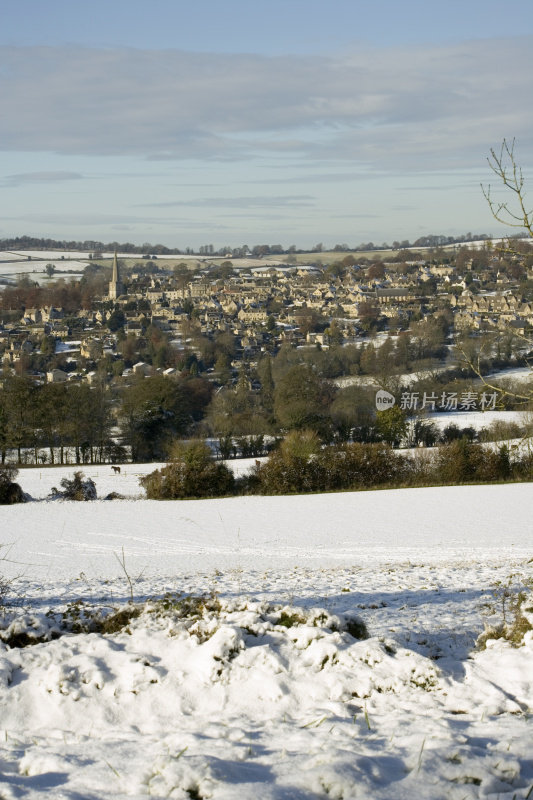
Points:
x=513, y=213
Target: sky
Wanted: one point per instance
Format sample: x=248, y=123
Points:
x=240, y=122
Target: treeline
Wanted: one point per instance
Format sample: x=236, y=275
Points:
x=94, y=423
x=72, y=296
x=294, y=390
x=47, y=423
x=258, y=250
x=301, y=465
x=89, y=245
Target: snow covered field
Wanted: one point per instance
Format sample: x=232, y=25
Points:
x=261, y=691
x=477, y=419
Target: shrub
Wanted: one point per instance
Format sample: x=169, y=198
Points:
x=424, y=433
x=76, y=488
x=301, y=465
x=294, y=467
x=363, y=465
x=500, y=431
x=10, y=492
x=391, y=425
x=494, y=465
x=191, y=472
x=453, y=432
x=523, y=466
x=513, y=608
x=461, y=462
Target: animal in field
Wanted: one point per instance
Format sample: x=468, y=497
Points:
x=115, y=469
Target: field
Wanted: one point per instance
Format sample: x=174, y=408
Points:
x=70, y=265
x=239, y=671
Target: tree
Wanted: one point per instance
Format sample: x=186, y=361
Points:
x=49, y=269
x=223, y=368
x=154, y=412
x=4, y=429
x=368, y=315
x=18, y=393
x=87, y=422
x=335, y=333
x=353, y=413
x=52, y=410
x=310, y=320
x=116, y=320
x=301, y=400
x=513, y=213
x=392, y=425
x=264, y=370
x=271, y=323
x=376, y=271
x=238, y=411
x=48, y=345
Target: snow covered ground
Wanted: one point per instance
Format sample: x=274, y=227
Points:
x=516, y=374
x=38, y=481
x=260, y=690
x=477, y=419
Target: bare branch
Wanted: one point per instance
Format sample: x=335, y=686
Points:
x=505, y=167
x=475, y=366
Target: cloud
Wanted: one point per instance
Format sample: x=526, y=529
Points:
x=314, y=178
x=238, y=202
x=24, y=178
x=416, y=108
x=441, y=187
x=109, y=220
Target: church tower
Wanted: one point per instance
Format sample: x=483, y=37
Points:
x=115, y=287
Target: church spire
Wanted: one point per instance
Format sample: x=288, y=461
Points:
x=115, y=278
x=115, y=285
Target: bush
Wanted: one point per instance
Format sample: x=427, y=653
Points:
x=294, y=466
x=76, y=488
x=191, y=472
x=453, y=432
x=463, y=462
x=511, y=612
x=424, y=433
x=352, y=466
x=523, y=466
x=301, y=465
x=10, y=492
x=500, y=431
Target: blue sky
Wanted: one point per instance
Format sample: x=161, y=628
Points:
x=238, y=122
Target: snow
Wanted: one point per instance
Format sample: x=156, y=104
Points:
x=38, y=481
x=477, y=419
x=11, y=270
x=259, y=690
x=518, y=374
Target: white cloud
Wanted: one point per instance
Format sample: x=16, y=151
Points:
x=414, y=107
x=23, y=178
x=106, y=220
x=293, y=201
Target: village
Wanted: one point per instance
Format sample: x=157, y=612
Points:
x=134, y=354
x=258, y=309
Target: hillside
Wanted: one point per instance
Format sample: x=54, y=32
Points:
x=260, y=688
